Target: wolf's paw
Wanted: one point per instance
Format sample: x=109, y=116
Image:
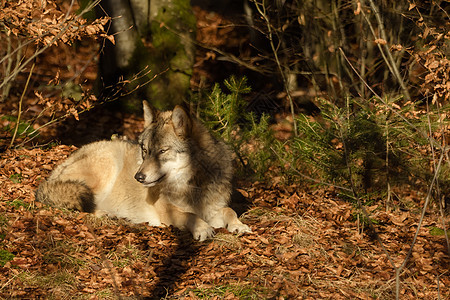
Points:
x=203, y=232
x=238, y=228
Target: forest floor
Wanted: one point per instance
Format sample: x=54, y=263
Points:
x=304, y=245
x=307, y=243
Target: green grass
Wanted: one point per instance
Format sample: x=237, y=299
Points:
x=5, y=256
x=60, y=284
x=61, y=254
x=17, y=204
x=16, y=178
x=229, y=241
x=125, y=256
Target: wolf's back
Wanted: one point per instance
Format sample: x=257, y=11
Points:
x=66, y=194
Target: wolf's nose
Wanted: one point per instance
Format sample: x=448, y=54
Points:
x=139, y=177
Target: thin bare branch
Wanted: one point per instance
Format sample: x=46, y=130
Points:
x=20, y=106
x=261, y=8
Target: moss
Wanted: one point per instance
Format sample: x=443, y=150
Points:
x=170, y=56
x=5, y=256
x=173, y=51
x=176, y=14
x=168, y=89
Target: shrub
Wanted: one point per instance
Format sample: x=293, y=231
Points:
x=248, y=135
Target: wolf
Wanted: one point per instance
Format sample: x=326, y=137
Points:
x=176, y=174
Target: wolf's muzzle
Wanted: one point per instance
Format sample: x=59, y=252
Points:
x=141, y=178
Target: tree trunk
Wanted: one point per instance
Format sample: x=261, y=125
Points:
x=154, y=35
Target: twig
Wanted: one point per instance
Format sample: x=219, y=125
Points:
x=441, y=209
x=39, y=51
x=108, y=99
x=7, y=70
x=11, y=279
x=427, y=201
x=390, y=62
x=262, y=11
x=433, y=143
x=20, y=106
x=362, y=207
x=438, y=284
x=226, y=56
x=421, y=132
x=107, y=263
x=435, y=177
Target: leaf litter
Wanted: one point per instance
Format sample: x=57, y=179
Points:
x=304, y=244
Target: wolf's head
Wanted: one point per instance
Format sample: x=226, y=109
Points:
x=165, y=150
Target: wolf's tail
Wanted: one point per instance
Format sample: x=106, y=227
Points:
x=66, y=194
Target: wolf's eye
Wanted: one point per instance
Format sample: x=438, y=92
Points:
x=164, y=150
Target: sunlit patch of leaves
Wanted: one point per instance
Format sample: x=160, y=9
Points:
x=60, y=285
x=64, y=254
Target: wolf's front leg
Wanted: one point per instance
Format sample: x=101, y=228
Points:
x=200, y=229
x=172, y=215
x=227, y=218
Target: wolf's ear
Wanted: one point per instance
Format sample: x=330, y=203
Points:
x=149, y=113
x=181, y=121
